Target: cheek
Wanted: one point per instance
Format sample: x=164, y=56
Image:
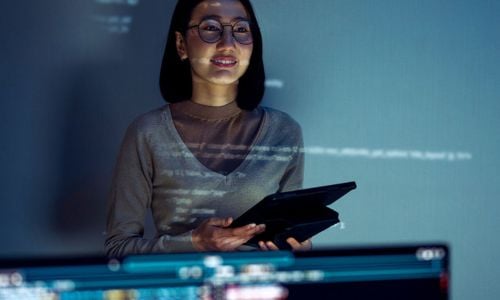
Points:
x=246, y=55
x=194, y=47
x=199, y=61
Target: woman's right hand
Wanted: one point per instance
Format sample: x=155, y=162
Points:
x=214, y=235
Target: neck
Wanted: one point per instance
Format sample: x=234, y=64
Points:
x=214, y=95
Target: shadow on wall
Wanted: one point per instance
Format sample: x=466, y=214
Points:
x=102, y=97
x=104, y=94
x=91, y=136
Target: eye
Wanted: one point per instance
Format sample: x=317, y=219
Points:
x=210, y=25
x=241, y=27
x=211, y=28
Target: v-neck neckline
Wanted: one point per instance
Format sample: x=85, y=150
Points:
x=256, y=141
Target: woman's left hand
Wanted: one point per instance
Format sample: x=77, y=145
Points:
x=296, y=246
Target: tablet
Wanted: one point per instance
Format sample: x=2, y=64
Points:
x=300, y=214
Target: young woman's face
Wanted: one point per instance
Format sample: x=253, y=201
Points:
x=224, y=61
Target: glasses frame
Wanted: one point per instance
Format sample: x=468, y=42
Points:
x=223, y=25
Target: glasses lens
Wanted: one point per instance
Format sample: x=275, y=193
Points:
x=242, y=32
x=210, y=30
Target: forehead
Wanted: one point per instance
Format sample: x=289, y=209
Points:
x=225, y=10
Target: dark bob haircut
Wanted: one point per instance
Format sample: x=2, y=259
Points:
x=175, y=75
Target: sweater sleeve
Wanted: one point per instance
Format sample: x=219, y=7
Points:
x=130, y=199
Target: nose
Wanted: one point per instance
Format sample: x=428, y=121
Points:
x=227, y=39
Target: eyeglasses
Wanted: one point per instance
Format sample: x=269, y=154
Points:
x=211, y=31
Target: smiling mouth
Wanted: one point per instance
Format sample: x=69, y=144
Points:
x=224, y=62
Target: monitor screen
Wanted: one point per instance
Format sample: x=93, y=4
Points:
x=409, y=272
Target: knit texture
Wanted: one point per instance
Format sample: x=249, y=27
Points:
x=156, y=170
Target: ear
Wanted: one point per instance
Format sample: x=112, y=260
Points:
x=180, y=44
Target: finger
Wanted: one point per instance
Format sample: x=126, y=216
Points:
x=271, y=246
x=294, y=243
x=263, y=246
x=260, y=228
x=225, y=243
x=243, y=233
x=233, y=244
x=247, y=230
x=227, y=221
x=305, y=245
x=251, y=230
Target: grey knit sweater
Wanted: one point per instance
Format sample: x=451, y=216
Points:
x=155, y=170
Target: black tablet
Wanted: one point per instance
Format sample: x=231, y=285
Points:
x=300, y=214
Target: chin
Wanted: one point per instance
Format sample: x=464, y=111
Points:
x=224, y=80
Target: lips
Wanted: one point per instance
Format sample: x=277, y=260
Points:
x=224, y=61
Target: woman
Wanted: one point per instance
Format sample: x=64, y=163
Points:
x=212, y=153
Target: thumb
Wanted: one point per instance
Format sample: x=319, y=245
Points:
x=220, y=222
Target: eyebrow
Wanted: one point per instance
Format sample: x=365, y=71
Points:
x=218, y=18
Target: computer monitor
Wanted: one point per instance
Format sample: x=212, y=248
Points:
x=404, y=272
